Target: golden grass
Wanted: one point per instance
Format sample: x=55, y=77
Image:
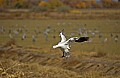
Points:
x=14, y=65
x=14, y=69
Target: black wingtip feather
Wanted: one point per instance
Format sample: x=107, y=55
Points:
x=82, y=39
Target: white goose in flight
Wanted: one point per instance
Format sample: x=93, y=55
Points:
x=64, y=44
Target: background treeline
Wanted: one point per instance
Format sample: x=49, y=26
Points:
x=57, y=5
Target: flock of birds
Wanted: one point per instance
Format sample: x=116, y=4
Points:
x=16, y=31
x=83, y=35
x=23, y=32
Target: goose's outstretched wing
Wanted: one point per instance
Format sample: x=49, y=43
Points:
x=73, y=39
x=76, y=39
x=63, y=38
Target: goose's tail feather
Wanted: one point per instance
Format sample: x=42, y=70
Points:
x=55, y=46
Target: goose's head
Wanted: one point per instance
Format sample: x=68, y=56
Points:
x=61, y=32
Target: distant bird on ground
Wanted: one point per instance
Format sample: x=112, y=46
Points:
x=105, y=40
x=24, y=36
x=46, y=33
x=2, y=29
x=15, y=32
x=33, y=38
x=111, y=35
x=116, y=38
x=64, y=44
x=100, y=35
x=10, y=36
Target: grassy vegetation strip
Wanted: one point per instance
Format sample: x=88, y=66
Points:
x=83, y=14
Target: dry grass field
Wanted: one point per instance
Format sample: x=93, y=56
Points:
x=26, y=58
x=37, y=27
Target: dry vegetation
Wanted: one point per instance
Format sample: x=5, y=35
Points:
x=25, y=59
x=73, y=14
x=15, y=69
x=20, y=62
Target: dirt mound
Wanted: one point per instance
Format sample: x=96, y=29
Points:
x=51, y=65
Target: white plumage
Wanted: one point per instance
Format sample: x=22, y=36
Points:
x=64, y=44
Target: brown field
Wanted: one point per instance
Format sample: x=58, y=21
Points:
x=21, y=62
x=27, y=59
